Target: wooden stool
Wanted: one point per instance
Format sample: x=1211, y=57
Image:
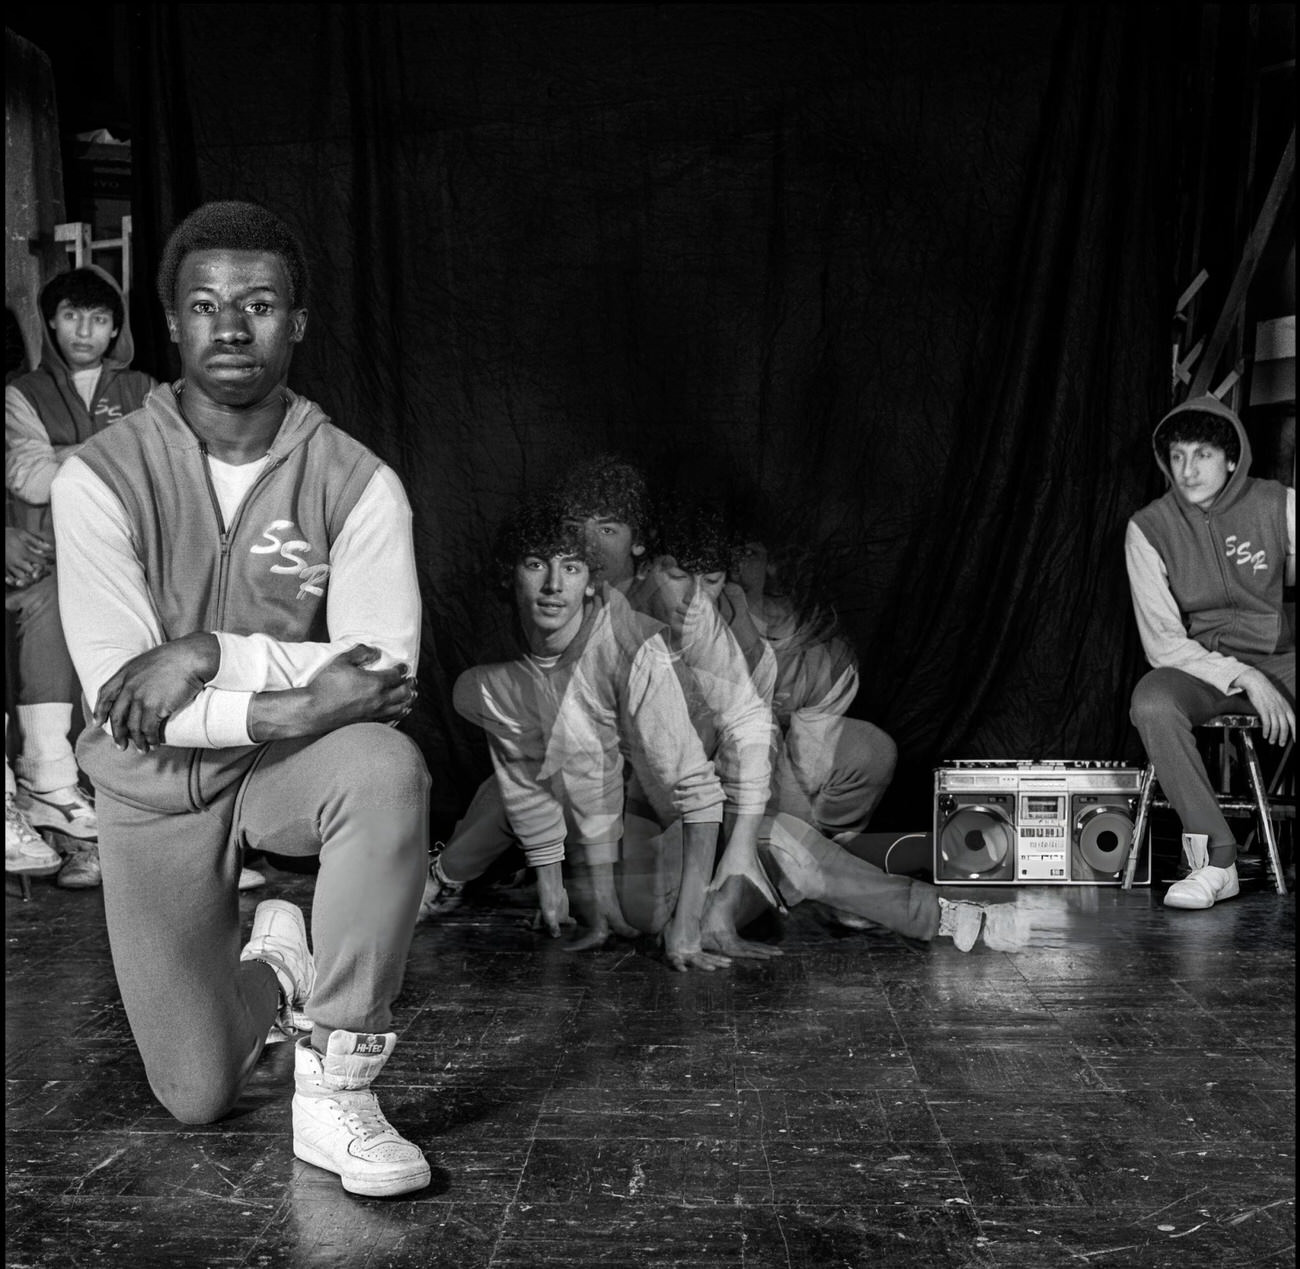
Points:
x=1232, y=728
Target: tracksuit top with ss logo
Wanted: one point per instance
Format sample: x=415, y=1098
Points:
x=266, y=572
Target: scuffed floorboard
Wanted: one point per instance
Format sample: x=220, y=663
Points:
x=1120, y=1095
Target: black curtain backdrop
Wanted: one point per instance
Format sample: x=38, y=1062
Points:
x=904, y=273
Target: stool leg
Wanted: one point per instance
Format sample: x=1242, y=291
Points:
x=1261, y=809
x=1146, y=791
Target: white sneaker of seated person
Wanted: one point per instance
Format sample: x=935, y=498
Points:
x=1204, y=887
x=26, y=851
x=69, y=810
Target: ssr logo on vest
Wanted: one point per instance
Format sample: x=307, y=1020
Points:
x=310, y=576
x=1241, y=553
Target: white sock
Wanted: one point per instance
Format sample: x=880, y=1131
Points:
x=46, y=761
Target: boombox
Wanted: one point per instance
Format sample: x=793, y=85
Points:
x=1009, y=822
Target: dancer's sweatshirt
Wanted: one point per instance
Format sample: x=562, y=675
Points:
x=289, y=560
x=1207, y=583
x=560, y=730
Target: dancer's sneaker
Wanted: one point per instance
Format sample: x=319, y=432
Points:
x=961, y=922
x=80, y=869
x=441, y=893
x=251, y=879
x=70, y=810
x=1007, y=927
x=279, y=939
x=1204, y=887
x=337, y=1122
x=26, y=851
x=1003, y=927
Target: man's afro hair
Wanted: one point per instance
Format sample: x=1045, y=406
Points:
x=233, y=226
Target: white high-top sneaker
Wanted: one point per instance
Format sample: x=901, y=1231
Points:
x=26, y=851
x=279, y=938
x=337, y=1123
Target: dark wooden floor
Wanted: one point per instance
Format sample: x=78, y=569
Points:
x=1123, y=1094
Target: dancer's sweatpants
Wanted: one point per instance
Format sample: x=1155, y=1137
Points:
x=46, y=688
x=481, y=836
x=1166, y=707
x=649, y=871
x=832, y=771
x=358, y=798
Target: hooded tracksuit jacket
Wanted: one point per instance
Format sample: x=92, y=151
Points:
x=1207, y=586
x=289, y=561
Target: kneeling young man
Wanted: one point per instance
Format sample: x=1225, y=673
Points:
x=237, y=582
x=1207, y=563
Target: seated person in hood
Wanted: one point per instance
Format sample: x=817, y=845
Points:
x=83, y=384
x=1207, y=564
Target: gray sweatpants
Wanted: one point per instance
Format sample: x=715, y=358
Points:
x=357, y=798
x=831, y=772
x=45, y=672
x=1167, y=705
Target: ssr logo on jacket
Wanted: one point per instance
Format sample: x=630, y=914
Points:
x=311, y=577
x=1240, y=553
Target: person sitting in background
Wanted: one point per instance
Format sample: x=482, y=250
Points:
x=1207, y=564
x=84, y=383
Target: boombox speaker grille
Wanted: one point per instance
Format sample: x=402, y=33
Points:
x=1105, y=837
x=977, y=839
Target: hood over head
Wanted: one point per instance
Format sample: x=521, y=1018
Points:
x=120, y=352
x=1209, y=405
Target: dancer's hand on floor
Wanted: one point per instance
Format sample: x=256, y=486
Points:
x=596, y=899
x=552, y=901
x=684, y=950
x=718, y=931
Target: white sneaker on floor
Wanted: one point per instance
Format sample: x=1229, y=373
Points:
x=26, y=851
x=1007, y=928
x=441, y=894
x=279, y=939
x=1002, y=926
x=1203, y=887
x=337, y=1123
x=70, y=810
x=961, y=922
x=251, y=879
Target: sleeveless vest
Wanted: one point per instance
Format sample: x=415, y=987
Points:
x=1227, y=568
